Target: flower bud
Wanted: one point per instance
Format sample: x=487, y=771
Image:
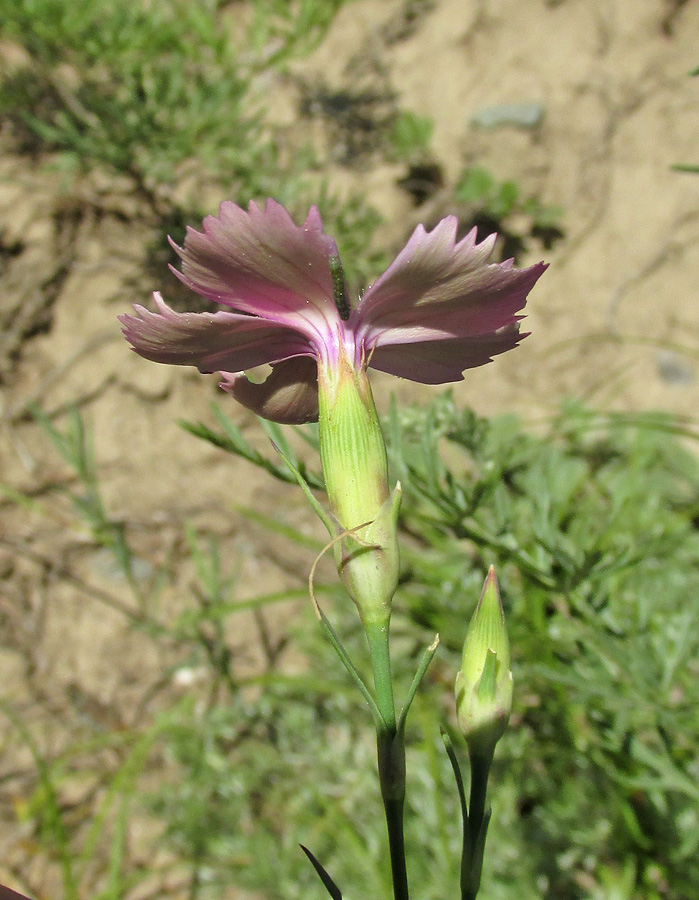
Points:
x=484, y=683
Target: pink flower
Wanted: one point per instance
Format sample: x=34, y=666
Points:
x=438, y=309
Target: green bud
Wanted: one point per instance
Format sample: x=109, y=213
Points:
x=355, y=468
x=484, y=684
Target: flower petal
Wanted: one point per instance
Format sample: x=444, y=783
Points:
x=439, y=291
x=213, y=342
x=289, y=395
x=443, y=361
x=260, y=262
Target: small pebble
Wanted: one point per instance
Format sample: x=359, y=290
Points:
x=519, y=115
x=673, y=369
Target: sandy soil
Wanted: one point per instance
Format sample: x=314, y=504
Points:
x=614, y=321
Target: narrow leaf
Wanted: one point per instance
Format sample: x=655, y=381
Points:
x=417, y=680
x=305, y=487
x=329, y=884
x=458, y=777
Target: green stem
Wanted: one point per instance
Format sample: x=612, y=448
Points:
x=480, y=769
x=378, y=637
x=391, y=755
x=478, y=819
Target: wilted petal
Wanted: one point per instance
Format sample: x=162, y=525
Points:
x=443, y=361
x=289, y=395
x=443, y=293
x=260, y=262
x=213, y=342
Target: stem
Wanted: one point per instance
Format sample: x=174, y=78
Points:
x=480, y=768
x=477, y=826
x=377, y=635
x=391, y=755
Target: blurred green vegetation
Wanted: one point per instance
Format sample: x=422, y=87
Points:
x=172, y=95
x=141, y=88
x=590, y=520
x=591, y=524
x=499, y=206
x=410, y=136
x=145, y=88
x=502, y=199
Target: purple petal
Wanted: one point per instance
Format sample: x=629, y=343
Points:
x=443, y=361
x=8, y=894
x=261, y=262
x=289, y=395
x=444, y=293
x=213, y=342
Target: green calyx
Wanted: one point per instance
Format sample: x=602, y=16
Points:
x=355, y=468
x=368, y=563
x=352, y=448
x=484, y=683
